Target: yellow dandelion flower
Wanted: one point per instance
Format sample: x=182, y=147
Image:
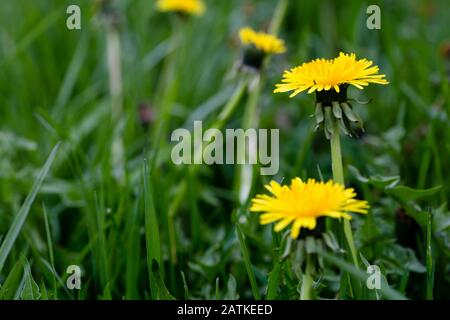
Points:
x=302, y=203
x=327, y=74
x=193, y=7
x=267, y=43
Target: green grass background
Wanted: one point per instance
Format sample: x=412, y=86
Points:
x=54, y=88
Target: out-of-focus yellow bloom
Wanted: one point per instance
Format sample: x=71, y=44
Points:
x=267, y=43
x=192, y=7
x=301, y=203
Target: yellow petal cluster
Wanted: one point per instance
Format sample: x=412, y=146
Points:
x=327, y=74
x=191, y=7
x=264, y=42
x=301, y=203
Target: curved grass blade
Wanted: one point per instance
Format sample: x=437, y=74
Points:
x=429, y=255
x=248, y=264
x=274, y=282
x=152, y=239
x=21, y=216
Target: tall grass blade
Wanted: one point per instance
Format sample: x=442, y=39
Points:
x=152, y=239
x=21, y=216
x=248, y=264
x=429, y=263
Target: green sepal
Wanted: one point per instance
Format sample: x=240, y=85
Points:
x=337, y=111
x=319, y=113
x=349, y=112
x=328, y=122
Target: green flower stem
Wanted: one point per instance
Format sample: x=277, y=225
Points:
x=307, y=282
x=336, y=156
x=244, y=173
x=231, y=106
x=338, y=177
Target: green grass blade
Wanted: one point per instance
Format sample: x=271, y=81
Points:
x=430, y=264
x=30, y=289
x=50, y=251
x=187, y=295
x=72, y=73
x=101, y=247
x=359, y=274
x=248, y=264
x=12, y=282
x=133, y=242
x=274, y=282
x=152, y=240
x=21, y=216
x=161, y=290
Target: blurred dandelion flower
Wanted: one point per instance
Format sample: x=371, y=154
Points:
x=326, y=74
x=302, y=203
x=267, y=43
x=192, y=7
x=259, y=45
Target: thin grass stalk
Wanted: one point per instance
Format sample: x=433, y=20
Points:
x=50, y=252
x=248, y=264
x=101, y=247
x=152, y=238
x=429, y=262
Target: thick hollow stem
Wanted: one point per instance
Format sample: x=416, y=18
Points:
x=307, y=282
x=245, y=172
x=338, y=177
